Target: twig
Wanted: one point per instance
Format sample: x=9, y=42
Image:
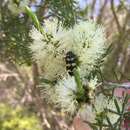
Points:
x=92, y=8
x=42, y=9
x=116, y=85
x=115, y=16
x=37, y=100
x=101, y=11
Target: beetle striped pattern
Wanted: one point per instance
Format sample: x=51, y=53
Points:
x=71, y=62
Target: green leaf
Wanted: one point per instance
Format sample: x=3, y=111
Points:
x=127, y=97
x=114, y=112
x=109, y=122
x=117, y=105
x=34, y=19
x=46, y=81
x=65, y=11
x=78, y=81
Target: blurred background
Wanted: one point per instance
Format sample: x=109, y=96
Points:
x=21, y=103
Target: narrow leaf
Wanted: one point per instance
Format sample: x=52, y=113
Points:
x=34, y=19
x=47, y=81
x=117, y=105
x=78, y=81
x=109, y=122
x=125, y=102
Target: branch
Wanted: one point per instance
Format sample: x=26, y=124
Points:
x=115, y=16
x=42, y=9
x=93, y=8
x=101, y=11
x=37, y=100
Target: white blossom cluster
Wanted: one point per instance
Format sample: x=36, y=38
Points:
x=66, y=94
x=101, y=104
x=86, y=40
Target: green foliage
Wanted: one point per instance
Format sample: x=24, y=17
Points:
x=14, y=37
x=64, y=10
x=121, y=111
x=17, y=119
x=34, y=19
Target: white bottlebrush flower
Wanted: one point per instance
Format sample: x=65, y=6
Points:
x=102, y=102
x=66, y=95
x=46, y=55
x=93, y=83
x=89, y=45
x=52, y=27
x=86, y=40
